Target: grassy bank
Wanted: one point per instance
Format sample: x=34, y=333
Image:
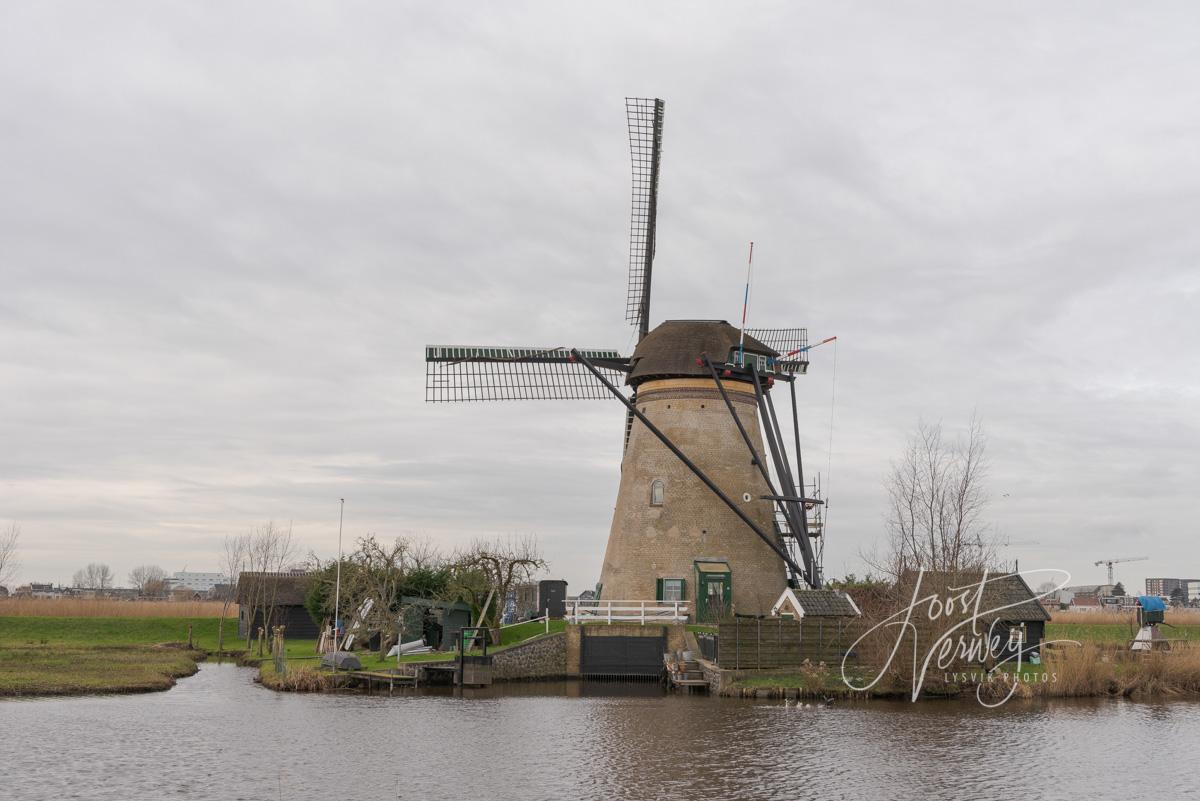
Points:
x=1118, y=627
x=1093, y=631
x=303, y=672
x=78, y=655
x=34, y=670
x=97, y=631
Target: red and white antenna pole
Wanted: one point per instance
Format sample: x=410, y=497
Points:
x=791, y=353
x=745, y=307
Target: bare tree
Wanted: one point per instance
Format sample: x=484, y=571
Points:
x=936, y=504
x=96, y=576
x=8, y=552
x=149, y=579
x=504, y=562
x=270, y=549
x=233, y=560
x=374, y=583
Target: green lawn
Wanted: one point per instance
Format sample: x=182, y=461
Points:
x=829, y=681
x=1112, y=632
x=74, y=655
x=62, y=655
x=74, y=669
x=509, y=637
x=84, y=631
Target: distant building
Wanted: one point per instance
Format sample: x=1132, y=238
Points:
x=202, y=583
x=1166, y=587
x=1089, y=595
x=3, y=591
x=1119, y=602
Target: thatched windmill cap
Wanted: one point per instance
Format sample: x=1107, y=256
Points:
x=671, y=349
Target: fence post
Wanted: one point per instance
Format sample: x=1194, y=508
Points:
x=737, y=644
x=643, y=613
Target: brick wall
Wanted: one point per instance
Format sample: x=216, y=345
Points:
x=650, y=542
x=542, y=658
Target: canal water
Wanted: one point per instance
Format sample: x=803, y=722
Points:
x=217, y=735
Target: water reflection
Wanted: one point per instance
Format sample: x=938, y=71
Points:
x=217, y=735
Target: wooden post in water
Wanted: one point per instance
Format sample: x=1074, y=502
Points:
x=277, y=649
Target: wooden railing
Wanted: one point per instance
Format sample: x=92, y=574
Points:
x=627, y=611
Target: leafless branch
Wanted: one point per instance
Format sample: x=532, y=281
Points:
x=8, y=552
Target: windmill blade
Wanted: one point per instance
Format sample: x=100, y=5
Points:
x=459, y=373
x=781, y=339
x=645, y=116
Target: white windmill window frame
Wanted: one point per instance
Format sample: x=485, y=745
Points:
x=658, y=492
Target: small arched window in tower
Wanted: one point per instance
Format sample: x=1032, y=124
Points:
x=656, y=492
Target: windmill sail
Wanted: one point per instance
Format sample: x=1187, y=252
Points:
x=470, y=373
x=791, y=343
x=645, y=118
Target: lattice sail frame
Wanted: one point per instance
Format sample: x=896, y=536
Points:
x=785, y=341
x=645, y=118
x=461, y=373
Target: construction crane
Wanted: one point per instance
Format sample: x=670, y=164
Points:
x=1111, y=562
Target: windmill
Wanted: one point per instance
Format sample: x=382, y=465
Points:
x=710, y=508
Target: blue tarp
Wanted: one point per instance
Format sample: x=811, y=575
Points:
x=1152, y=603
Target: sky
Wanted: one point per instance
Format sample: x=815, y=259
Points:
x=228, y=231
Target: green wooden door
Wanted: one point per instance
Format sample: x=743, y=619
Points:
x=714, y=591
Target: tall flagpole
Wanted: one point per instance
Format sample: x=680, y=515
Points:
x=337, y=592
x=745, y=306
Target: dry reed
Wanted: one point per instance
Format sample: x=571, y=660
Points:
x=110, y=607
x=1115, y=670
x=300, y=680
x=1179, y=617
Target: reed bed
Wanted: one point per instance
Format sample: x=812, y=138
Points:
x=1179, y=617
x=1099, y=670
x=299, y=680
x=110, y=607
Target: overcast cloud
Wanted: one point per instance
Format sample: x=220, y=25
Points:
x=228, y=230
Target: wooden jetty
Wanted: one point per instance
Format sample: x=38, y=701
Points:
x=391, y=679
x=686, y=674
x=465, y=671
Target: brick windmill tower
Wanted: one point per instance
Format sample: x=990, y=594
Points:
x=710, y=508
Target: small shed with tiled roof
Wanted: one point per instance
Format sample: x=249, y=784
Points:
x=1007, y=604
x=281, y=597
x=815, y=603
